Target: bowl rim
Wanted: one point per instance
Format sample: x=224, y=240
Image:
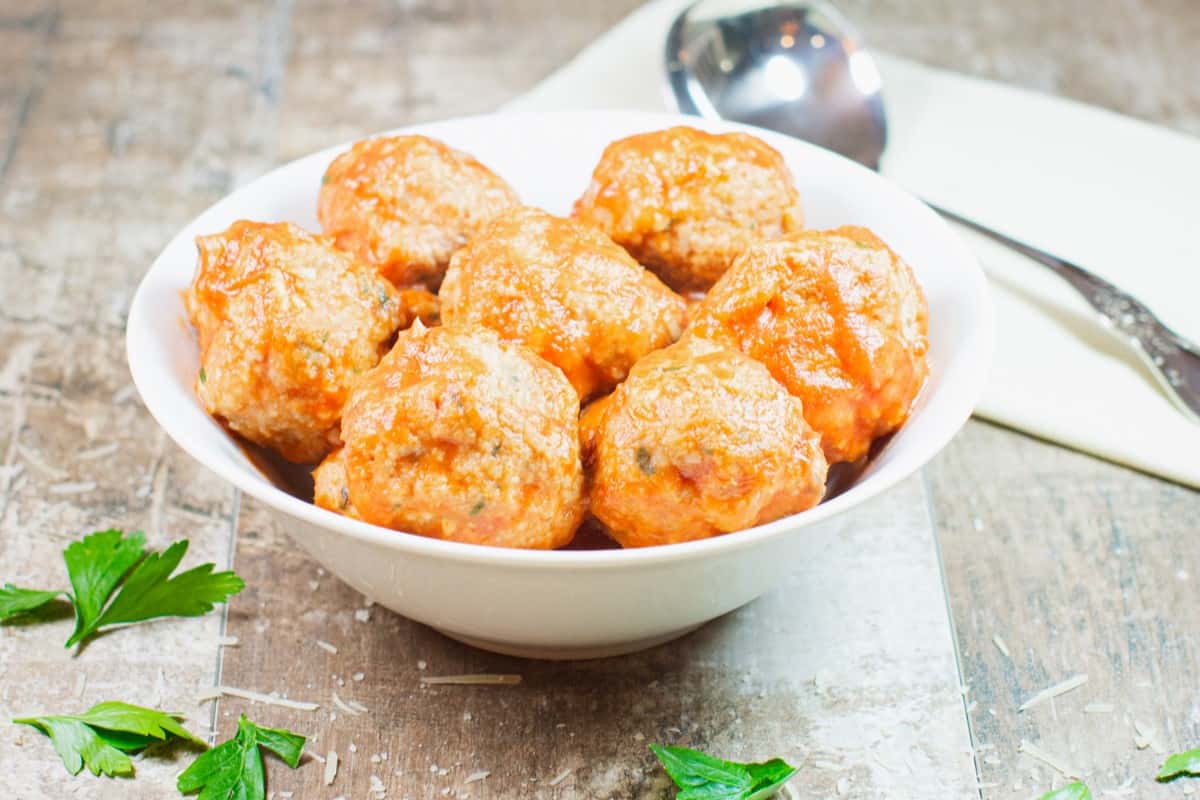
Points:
x=979, y=341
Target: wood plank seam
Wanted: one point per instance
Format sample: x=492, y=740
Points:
x=931, y=514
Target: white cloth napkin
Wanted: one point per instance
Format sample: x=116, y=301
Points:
x=1117, y=196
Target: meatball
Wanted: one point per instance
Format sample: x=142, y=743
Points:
x=839, y=320
x=685, y=203
x=699, y=441
x=286, y=323
x=330, y=489
x=567, y=292
x=460, y=435
x=405, y=203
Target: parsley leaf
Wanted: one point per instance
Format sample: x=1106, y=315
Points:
x=1077, y=790
x=703, y=777
x=15, y=601
x=101, y=737
x=235, y=768
x=96, y=564
x=1185, y=763
x=150, y=592
x=109, y=562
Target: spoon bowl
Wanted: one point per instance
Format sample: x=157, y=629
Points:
x=797, y=68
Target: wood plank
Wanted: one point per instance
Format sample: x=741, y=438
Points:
x=126, y=129
x=1077, y=565
x=1135, y=58
x=1080, y=567
x=846, y=668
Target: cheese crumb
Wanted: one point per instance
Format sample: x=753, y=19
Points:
x=480, y=679
x=1033, y=751
x=331, y=767
x=1050, y=692
x=1001, y=646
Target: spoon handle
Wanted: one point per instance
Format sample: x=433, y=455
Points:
x=1172, y=359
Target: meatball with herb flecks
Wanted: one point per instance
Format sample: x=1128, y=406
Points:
x=461, y=435
x=404, y=204
x=685, y=203
x=699, y=441
x=565, y=291
x=839, y=319
x=286, y=323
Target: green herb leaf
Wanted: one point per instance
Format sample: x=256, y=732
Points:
x=702, y=777
x=125, y=718
x=78, y=745
x=769, y=777
x=234, y=769
x=15, y=601
x=96, y=565
x=285, y=744
x=100, y=737
x=149, y=592
x=106, y=561
x=1072, y=791
x=1185, y=763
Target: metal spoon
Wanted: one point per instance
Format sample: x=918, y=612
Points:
x=799, y=68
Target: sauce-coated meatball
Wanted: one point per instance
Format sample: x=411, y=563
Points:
x=839, y=319
x=405, y=203
x=699, y=441
x=460, y=435
x=685, y=203
x=567, y=292
x=286, y=323
x=330, y=489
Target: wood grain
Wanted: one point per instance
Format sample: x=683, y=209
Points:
x=846, y=668
x=1080, y=567
x=116, y=134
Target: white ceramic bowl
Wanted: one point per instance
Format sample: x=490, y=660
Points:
x=572, y=604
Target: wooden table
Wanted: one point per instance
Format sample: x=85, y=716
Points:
x=121, y=120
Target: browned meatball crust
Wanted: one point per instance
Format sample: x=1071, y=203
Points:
x=461, y=435
x=699, y=441
x=405, y=203
x=567, y=292
x=286, y=323
x=685, y=203
x=839, y=319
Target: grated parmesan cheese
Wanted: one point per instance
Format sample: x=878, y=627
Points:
x=1001, y=646
x=476, y=776
x=481, y=679
x=97, y=452
x=72, y=487
x=326, y=646
x=228, y=641
x=344, y=706
x=256, y=697
x=1050, y=692
x=559, y=778
x=1033, y=751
